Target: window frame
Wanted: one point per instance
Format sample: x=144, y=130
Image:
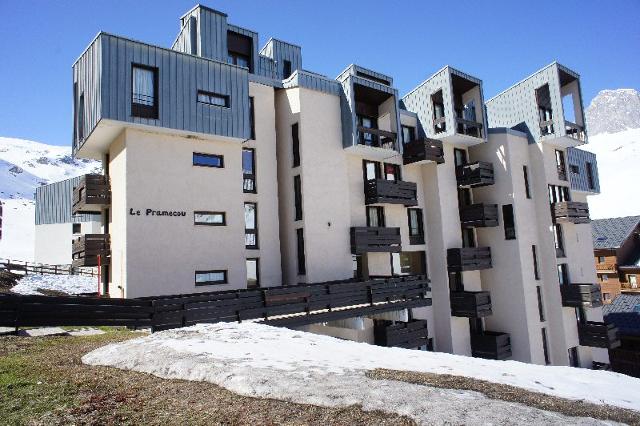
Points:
x=204, y=212
x=415, y=236
x=509, y=222
x=379, y=212
x=225, y=98
x=411, y=131
x=563, y=274
x=534, y=254
x=558, y=239
x=252, y=117
x=376, y=165
x=224, y=272
x=545, y=346
x=254, y=231
x=295, y=144
x=297, y=198
x=206, y=155
x=246, y=177
x=257, y=284
x=300, y=255
x=527, y=188
x=287, y=69
x=397, y=170
x=561, y=165
x=591, y=183
x=142, y=110
x=540, y=303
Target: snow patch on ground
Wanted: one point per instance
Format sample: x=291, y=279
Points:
x=70, y=284
x=257, y=360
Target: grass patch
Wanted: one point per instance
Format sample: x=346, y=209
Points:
x=43, y=381
x=510, y=393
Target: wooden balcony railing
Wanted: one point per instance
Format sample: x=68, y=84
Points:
x=609, y=267
x=409, y=335
x=546, y=127
x=598, y=335
x=581, y=295
x=475, y=175
x=570, y=212
x=422, y=151
x=491, y=345
x=86, y=249
x=390, y=192
x=469, y=128
x=470, y=304
x=479, y=215
x=92, y=194
x=366, y=239
x=575, y=131
x=377, y=138
x=468, y=259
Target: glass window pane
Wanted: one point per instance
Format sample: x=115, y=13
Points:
x=143, y=92
x=247, y=161
x=205, y=218
x=207, y=160
x=252, y=273
x=211, y=277
x=250, y=216
x=371, y=169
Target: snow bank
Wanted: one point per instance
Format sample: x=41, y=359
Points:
x=258, y=360
x=70, y=284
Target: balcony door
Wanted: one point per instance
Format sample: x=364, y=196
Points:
x=367, y=138
x=371, y=170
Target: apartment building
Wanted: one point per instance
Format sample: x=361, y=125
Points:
x=616, y=243
x=228, y=166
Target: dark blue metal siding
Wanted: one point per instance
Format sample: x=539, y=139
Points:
x=54, y=201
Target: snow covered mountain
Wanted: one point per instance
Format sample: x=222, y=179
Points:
x=613, y=111
x=24, y=166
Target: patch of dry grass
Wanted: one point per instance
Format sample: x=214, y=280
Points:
x=42, y=381
x=512, y=394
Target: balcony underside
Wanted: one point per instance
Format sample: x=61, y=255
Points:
x=470, y=304
x=423, y=151
x=468, y=259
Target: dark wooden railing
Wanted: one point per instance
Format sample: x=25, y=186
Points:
x=412, y=334
x=422, y=151
x=475, y=175
x=575, y=131
x=491, y=345
x=625, y=361
x=570, y=212
x=470, y=304
x=598, y=335
x=546, y=127
x=581, y=295
x=479, y=215
x=390, y=192
x=375, y=239
x=92, y=194
x=377, y=138
x=87, y=248
x=468, y=259
x=469, y=128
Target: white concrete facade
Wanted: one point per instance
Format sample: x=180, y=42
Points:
x=53, y=240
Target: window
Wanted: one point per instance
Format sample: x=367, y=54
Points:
x=574, y=169
x=144, y=90
x=253, y=273
x=412, y=263
x=209, y=218
x=416, y=229
x=534, y=253
x=239, y=50
x=633, y=281
x=211, y=277
x=392, y=172
x=590, y=180
x=295, y=137
x=468, y=237
x=76, y=228
x=540, y=305
x=605, y=277
x=460, y=157
x=249, y=170
x=455, y=281
x=606, y=297
x=558, y=239
x=375, y=216
x=251, y=225
x=213, y=99
x=208, y=160
x=286, y=69
x=545, y=346
x=297, y=195
x=408, y=134
x=302, y=268
x=365, y=137
x=558, y=194
x=81, y=118
x=371, y=170
x=563, y=274
x=358, y=266
x=527, y=191
x=464, y=197
x=508, y=222
x=252, y=117
x=601, y=259
x=560, y=164
x=574, y=359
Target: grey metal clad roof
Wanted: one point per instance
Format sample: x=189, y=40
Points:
x=624, y=312
x=611, y=233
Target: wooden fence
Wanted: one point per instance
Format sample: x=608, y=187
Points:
x=20, y=266
x=282, y=306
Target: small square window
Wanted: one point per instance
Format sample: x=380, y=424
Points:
x=208, y=160
x=76, y=228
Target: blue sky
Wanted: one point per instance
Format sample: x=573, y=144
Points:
x=498, y=41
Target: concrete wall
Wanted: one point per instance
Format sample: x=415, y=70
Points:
x=53, y=241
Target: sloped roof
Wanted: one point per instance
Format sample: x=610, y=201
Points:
x=624, y=312
x=611, y=233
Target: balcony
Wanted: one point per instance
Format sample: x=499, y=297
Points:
x=575, y=131
x=468, y=259
x=367, y=239
x=491, y=345
x=570, y=212
x=475, y=175
x=390, y=192
x=87, y=248
x=469, y=127
x=423, y=151
x=409, y=335
x=92, y=194
x=598, y=335
x=581, y=295
x=376, y=138
x=479, y=215
x=607, y=267
x=470, y=304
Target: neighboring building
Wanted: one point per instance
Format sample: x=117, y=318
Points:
x=56, y=226
x=616, y=244
x=624, y=313
x=340, y=178
x=0, y=220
